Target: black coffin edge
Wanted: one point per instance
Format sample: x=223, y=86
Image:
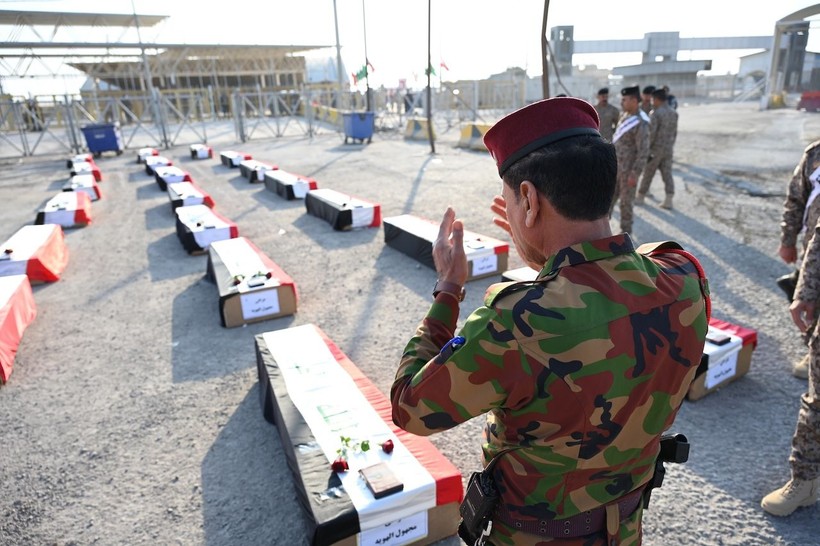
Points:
x=329, y=520
x=409, y=243
x=341, y=220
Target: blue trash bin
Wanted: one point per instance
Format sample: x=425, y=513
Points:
x=103, y=137
x=358, y=126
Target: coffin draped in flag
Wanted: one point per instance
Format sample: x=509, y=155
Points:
x=185, y=194
x=17, y=311
x=36, y=251
x=251, y=287
x=315, y=395
x=201, y=151
x=342, y=211
x=288, y=185
x=198, y=226
x=414, y=237
x=66, y=209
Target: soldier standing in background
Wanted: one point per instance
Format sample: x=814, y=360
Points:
x=631, y=140
x=801, y=211
x=607, y=114
x=802, y=488
x=567, y=366
x=663, y=129
x=646, y=98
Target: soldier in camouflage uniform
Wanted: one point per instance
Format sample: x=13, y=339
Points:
x=581, y=370
x=646, y=98
x=802, y=488
x=663, y=130
x=801, y=211
x=631, y=142
x=607, y=114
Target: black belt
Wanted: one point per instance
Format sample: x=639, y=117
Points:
x=585, y=523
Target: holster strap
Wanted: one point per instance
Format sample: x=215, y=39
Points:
x=585, y=523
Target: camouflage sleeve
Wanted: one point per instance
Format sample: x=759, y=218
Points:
x=655, y=130
x=429, y=395
x=808, y=285
x=795, y=205
x=642, y=142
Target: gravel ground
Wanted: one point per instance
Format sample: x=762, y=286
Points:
x=133, y=417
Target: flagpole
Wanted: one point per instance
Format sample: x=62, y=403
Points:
x=366, y=62
x=429, y=91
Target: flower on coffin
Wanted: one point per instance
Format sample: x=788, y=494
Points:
x=237, y=279
x=8, y=251
x=339, y=465
x=347, y=444
x=387, y=446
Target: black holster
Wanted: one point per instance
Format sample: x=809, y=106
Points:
x=674, y=449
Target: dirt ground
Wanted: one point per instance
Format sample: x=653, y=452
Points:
x=133, y=417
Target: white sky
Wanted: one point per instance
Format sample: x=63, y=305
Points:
x=475, y=38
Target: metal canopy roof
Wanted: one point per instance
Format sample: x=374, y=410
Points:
x=67, y=18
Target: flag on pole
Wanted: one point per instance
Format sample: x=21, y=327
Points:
x=430, y=70
x=443, y=65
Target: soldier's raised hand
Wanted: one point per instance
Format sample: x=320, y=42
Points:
x=448, y=250
x=499, y=208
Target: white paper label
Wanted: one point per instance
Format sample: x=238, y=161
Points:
x=262, y=303
x=362, y=216
x=485, y=265
x=300, y=189
x=396, y=533
x=722, y=370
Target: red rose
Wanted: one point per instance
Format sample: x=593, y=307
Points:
x=339, y=465
x=8, y=251
x=387, y=447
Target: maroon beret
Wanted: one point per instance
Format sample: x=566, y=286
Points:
x=537, y=125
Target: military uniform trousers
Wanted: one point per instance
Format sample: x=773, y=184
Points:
x=805, y=455
x=625, y=194
x=662, y=162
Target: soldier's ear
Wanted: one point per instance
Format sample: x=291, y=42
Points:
x=532, y=203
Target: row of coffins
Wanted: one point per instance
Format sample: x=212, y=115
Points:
x=250, y=286
x=37, y=253
x=318, y=399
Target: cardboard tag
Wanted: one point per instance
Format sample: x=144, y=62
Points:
x=722, y=369
x=485, y=265
x=396, y=533
x=261, y=303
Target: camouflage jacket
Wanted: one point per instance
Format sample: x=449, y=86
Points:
x=808, y=284
x=632, y=146
x=583, y=369
x=663, y=130
x=608, y=115
x=795, y=216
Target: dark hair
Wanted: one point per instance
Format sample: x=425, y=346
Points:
x=577, y=175
x=659, y=94
x=648, y=89
x=603, y=91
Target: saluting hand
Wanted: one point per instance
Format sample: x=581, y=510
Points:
x=448, y=250
x=499, y=207
x=802, y=314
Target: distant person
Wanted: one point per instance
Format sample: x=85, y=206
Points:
x=631, y=140
x=801, y=211
x=670, y=98
x=607, y=113
x=646, y=98
x=663, y=130
x=802, y=488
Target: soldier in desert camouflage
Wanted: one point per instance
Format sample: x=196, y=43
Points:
x=581, y=370
x=802, y=488
x=663, y=131
x=631, y=140
x=801, y=211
